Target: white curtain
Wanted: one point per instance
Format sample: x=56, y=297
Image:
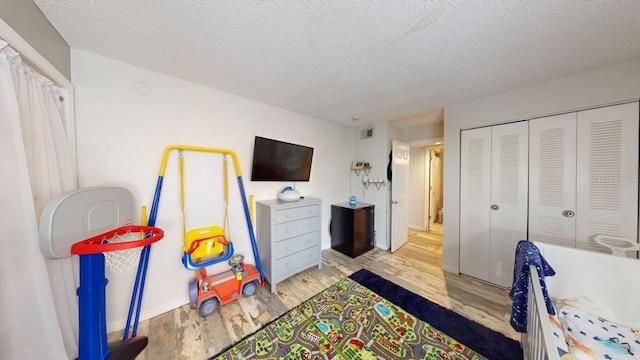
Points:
x=38, y=306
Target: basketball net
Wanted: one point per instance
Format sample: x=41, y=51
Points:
x=122, y=261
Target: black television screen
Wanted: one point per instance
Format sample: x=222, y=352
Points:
x=275, y=160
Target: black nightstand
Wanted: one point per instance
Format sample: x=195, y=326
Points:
x=352, y=228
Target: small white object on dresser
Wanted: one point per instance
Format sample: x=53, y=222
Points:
x=288, y=235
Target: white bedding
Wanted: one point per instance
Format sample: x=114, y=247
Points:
x=558, y=334
x=589, y=336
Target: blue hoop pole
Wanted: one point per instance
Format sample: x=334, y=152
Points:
x=92, y=305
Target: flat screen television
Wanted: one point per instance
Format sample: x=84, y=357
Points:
x=275, y=160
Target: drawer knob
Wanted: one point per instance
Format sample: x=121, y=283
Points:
x=288, y=231
x=288, y=247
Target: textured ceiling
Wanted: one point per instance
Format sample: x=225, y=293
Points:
x=377, y=60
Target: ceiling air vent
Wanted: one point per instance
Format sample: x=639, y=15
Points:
x=366, y=133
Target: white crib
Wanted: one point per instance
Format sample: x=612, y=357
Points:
x=612, y=282
x=537, y=342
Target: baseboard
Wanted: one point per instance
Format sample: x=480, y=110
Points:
x=416, y=227
x=148, y=313
x=450, y=269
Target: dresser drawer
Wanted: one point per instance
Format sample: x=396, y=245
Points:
x=296, y=228
x=298, y=243
x=286, y=215
x=309, y=211
x=302, y=212
x=297, y=261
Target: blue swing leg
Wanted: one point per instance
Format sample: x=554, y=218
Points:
x=136, y=297
x=252, y=236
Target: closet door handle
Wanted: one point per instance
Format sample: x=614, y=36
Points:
x=568, y=213
x=495, y=207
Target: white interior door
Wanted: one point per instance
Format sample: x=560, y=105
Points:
x=475, y=201
x=434, y=186
x=607, y=174
x=552, y=179
x=427, y=190
x=399, y=195
x=509, y=193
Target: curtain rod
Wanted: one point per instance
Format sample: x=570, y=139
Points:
x=19, y=44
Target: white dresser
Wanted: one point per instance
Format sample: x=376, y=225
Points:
x=288, y=235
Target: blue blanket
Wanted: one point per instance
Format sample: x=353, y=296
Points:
x=527, y=254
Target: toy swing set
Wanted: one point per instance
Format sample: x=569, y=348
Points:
x=104, y=217
x=211, y=245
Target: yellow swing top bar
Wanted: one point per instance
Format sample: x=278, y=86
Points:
x=231, y=153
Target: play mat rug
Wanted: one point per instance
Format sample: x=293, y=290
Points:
x=348, y=321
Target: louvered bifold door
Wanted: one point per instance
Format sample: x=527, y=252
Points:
x=508, y=209
x=607, y=175
x=475, y=187
x=552, y=179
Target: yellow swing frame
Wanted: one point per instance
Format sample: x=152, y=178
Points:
x=186, y=258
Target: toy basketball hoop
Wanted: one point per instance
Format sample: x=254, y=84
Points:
x=117, y=250
x=82, y=214
x=121, y=247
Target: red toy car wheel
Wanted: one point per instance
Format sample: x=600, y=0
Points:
x=193, y=292
x=249, y=289
x=208, y=306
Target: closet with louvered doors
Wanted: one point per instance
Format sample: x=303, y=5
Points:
x=583, y=176
x=493, y=200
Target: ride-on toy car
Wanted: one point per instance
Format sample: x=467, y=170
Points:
x=206, y=292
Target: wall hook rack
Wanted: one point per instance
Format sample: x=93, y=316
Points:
x=377, y=182
x=366, y=170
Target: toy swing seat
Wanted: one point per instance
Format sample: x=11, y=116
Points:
x=103, y=216
x=205, y=246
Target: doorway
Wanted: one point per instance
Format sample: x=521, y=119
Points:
x=426, y=187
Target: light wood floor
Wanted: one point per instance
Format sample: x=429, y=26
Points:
x=184, y=334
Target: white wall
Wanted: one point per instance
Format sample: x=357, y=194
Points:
x=373, y=150
x=121, y=138
x=393, y=133
x=418, y=182
x=423, y=132
x=603, y=85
